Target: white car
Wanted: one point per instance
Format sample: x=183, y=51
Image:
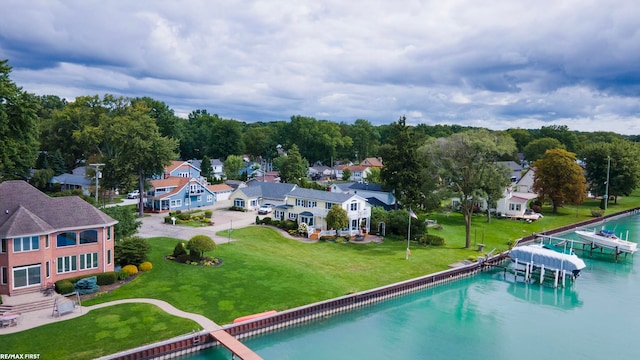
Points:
x=265, y=209
x=134, y=194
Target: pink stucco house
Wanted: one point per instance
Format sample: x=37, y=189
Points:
x=46, y=239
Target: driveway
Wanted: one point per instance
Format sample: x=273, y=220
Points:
x=223, y=219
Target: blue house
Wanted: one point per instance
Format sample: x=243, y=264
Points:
x=182, y=188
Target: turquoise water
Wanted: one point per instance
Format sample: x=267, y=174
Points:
x=487, y=316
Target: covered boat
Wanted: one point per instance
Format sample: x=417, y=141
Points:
x=607, y=239
x=538, y=255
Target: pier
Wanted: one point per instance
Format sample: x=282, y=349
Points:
x=236, y=347
x=556, y=241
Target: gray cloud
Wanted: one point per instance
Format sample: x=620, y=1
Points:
x=500, y=64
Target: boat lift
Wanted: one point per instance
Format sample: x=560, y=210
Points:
x=556, y=241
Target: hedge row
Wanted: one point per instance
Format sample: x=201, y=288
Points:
x=66, y=286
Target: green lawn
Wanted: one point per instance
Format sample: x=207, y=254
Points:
x=100, y=332
x=262, y=271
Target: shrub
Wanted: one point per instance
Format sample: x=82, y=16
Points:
x=87, y=286
x=536, y=208
x=326, y=238
x=257, y=220
x=122, y=275
x=266, y=221
x=145, y=266
x=64, y=287
x=200, y=244
x=106, y=278
x=131, y=250
x=208, y=214
x=290, y=225
x=597, y=212
x=184, y=216
x=237, y=208
x=130, y=269
x=179, y=249
x=436, y=240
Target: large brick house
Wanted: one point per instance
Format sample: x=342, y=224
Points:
x=46, y=239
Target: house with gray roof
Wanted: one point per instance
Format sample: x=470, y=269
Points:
x=312, y=206
x=46, y=239
x=260, y=193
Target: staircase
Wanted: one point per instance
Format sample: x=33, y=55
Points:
x=27, y=301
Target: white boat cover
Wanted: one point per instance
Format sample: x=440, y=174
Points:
x=549, y=258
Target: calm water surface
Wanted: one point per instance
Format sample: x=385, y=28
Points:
x=487, y=316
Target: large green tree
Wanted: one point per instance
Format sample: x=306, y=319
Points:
x=18, y=128
x=294, y=167
x=318, y=140
x=467, y=163
x=130, y=146
x=404, y=172
x=232, y=167
x=558, y=178
x=200, y=244
x=620, y=159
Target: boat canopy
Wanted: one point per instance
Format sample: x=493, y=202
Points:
x=551, y=259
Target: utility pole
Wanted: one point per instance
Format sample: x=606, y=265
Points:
x=606, y=191
x=97, y=166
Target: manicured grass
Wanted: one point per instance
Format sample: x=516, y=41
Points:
x=100, y=332
x=262, y=271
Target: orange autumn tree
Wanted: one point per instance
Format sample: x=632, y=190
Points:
x=559, y=179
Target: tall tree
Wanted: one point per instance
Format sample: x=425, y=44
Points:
x=620, y=159
x=562, y=133
x=130, y=145
x=232, y=167
x=559, y=179
x=294, y=167
x=18, y=128
x=467, y=163
x=167, y=121
x=225, y=139
x=373, y=176
x=402, y=172
x=260, y=141
x=205, y=168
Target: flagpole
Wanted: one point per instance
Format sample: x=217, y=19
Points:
x=408, y=236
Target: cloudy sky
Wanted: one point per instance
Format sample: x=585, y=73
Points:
x=495, y=64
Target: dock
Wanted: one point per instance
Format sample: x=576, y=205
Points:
x=556, y=241
x=236, y=347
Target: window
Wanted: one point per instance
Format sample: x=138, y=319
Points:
x=183, y=174
x=354, y=224
x=109, y=233
x=67, y=264
x=238, y=203
x=199, y=198
x=514, y=207
x=3, y=246
x=27, y=243
x=354, y=206
x=176, y=203
x=292, y=216
x=88, y=237
x=3, y=275
x=313, y=204
x=89, y=261
x=46, y=242
x=48, y=269
x=254, y=203
x=299, y=202
x=209, y=198
x=66, y=239
x=109, y=256
x=24, y=276
x=328, y=205
x=278, y=214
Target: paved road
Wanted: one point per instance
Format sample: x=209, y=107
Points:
x=223, y=220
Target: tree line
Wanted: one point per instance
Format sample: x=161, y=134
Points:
x=136, y=137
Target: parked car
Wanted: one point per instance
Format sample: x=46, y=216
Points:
x=134, y=194
x=265, y=209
